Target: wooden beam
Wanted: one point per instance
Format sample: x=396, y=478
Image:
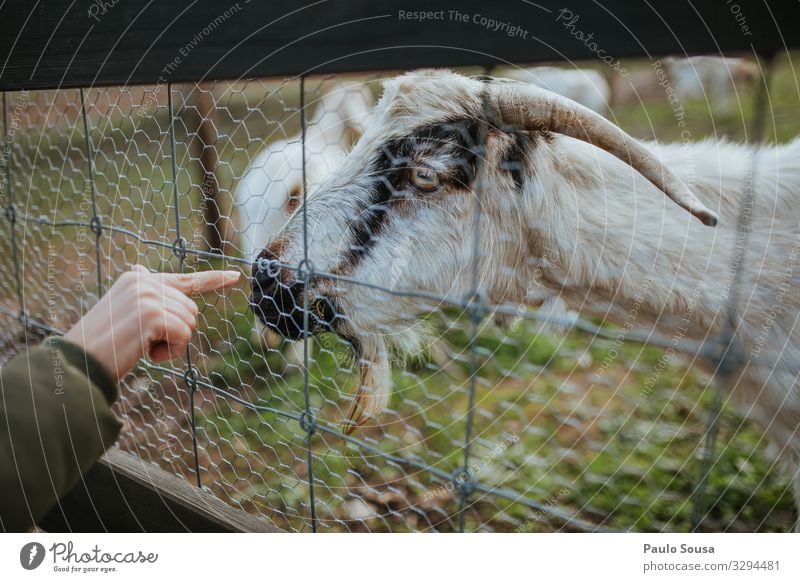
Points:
x=122, y=493
x=204, y=144
x=66, y=43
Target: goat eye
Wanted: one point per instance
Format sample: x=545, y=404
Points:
x=424, y=178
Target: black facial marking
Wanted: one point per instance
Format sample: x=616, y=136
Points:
x=388, y=174
x=370, y=220
x=515, y=156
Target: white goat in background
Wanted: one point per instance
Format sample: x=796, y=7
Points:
x=585, y=86
x=561, y=183
x=715, y=79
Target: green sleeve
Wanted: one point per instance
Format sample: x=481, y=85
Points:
x=55, y=421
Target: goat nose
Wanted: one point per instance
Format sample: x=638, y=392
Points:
x=266, y=271
x=277, y=298
x=270, y=281
x=269, y=276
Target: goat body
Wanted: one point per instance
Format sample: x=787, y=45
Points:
x=560, y=217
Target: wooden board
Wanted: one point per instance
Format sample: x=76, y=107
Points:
x=65, y=43
x=121, y=493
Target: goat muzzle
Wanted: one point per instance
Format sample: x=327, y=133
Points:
x=278, y=300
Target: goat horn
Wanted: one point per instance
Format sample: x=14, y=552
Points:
x=533, y=108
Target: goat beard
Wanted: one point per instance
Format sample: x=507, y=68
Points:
x=374, y=384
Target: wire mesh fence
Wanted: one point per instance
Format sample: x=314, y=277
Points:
x=510, y=419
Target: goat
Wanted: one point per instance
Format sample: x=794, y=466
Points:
x=716, y=80
x=569, y=202
x=585, y=86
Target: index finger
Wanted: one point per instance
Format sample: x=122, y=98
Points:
x=201, y=281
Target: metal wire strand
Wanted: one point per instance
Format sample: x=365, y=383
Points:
x=179, y=248
x=476, y=313
x=95, y=221
x=308, y=421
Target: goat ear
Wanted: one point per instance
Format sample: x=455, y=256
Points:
x=397, y=95
x=389, y=91
x=406, y=84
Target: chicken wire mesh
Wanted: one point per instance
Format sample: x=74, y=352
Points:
x=501, y=423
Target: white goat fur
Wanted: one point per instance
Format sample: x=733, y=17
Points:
x=584, y=226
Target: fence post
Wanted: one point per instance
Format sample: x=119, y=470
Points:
x=205, y=140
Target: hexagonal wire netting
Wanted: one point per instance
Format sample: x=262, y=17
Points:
x=501, y=423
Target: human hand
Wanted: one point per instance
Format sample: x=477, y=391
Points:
x=145, y=313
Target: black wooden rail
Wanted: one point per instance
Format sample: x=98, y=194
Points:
x=83, y=43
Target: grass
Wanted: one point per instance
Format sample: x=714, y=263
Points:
x=581, y=426
x=623, y=459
